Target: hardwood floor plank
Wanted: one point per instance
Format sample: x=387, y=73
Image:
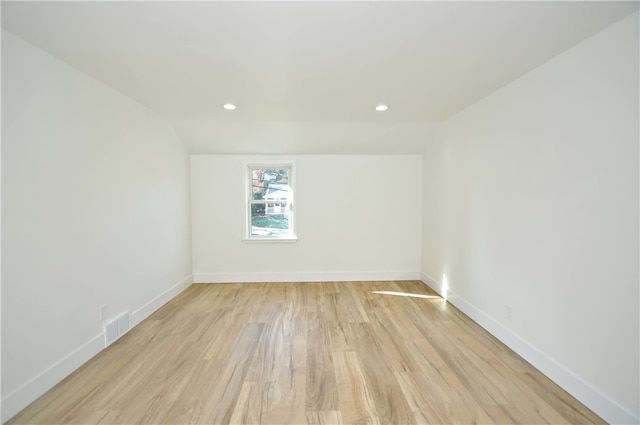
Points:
x=201, y=375
x=559, y=399
x=378, y=370
x=354, y=304
x=391, y=338
x=283, y=387
x=482, y=380
x=356, y=402
x=219, y=401
x=431, y=403
x=324, y=418
x=320, y=379
x=444, y=387
x=316, y=353
x=241, y=412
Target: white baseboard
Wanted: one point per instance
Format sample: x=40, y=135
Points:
x=607, y=408
x=304, y=276
x=26, y=394
x=431, y=283
x=13, y=403
x=146, y=310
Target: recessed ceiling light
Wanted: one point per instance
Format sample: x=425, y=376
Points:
x=229, y=106
x=381, y=108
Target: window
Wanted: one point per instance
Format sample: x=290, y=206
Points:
x=270, y=213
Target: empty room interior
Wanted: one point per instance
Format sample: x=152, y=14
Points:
x=320, y=212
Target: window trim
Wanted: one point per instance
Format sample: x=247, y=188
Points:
x=292, y=237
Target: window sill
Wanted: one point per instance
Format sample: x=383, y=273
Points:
x=288, y=239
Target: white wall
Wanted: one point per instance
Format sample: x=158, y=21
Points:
x=531, y=200
x=358, y=217
x=95, y=210
x=246, y=137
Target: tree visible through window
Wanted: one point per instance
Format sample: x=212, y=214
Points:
x=270, y=202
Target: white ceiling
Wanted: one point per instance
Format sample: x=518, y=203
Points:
x=307, y=75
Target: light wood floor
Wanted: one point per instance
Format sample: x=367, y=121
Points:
x=307, y=353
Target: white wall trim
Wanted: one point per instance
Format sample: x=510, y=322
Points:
x=13, y=403
x=146, y=310
x=304, y=276
x=431, y=283
x=26, y=394
x=607, y=408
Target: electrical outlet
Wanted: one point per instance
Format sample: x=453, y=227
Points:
x=509, y=313
x=104, y=312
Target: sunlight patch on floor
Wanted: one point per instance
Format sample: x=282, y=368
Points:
x=405, y=294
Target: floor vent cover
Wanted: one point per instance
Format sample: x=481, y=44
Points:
x=116, y=328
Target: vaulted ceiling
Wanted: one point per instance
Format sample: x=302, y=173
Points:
x=306, y=76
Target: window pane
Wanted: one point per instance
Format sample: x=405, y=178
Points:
x=270, y=200
x=270, y=183
x=270, y=219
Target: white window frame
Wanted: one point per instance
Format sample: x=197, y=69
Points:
x=248, y=197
